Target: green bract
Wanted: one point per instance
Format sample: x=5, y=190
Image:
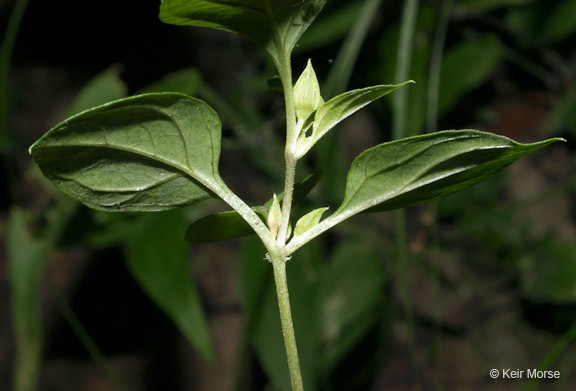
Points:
x=274, y=217
x=307, y=96
x=331, y=113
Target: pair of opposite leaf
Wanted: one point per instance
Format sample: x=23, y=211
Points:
x=161, y=151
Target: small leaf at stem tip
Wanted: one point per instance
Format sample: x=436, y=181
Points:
x=274, y=217
x=307, y=97
x=309, y=220
x=331, y=113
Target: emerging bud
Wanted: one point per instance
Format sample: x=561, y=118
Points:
x=274, y=217
x=307, y=96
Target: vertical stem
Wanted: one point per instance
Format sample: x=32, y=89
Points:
x=403, y=67
x=6, y=47
x=432, y=126
x=399, y=131
x=279, y=266
x=277, y=255
x=436, y=66
x=285, y=70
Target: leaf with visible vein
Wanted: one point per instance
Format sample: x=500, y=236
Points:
x=420, y=169
x=145, y=153
x=259, y=20
x=339, y=108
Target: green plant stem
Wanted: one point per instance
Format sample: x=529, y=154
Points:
x=247, y=213
x=432, y=126
x=340, y=74
x=404, y=58
x=5, y=58
x=279, y=265
x=408, y=26
x=436, y=66
x=285, y=72
x=290, y=151
x=277, y=253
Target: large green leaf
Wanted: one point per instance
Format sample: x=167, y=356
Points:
x=337, y=109
x=158, y=260
x=422, y=168
x=145, y=153
x=276, y=25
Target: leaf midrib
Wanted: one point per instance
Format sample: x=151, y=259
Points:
x=195, y=176
x=406, y=187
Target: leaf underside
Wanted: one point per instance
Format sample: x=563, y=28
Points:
x=257, y=20
x=423, y=168
x=145, y=153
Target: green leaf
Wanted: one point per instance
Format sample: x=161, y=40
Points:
x=339, y=108
x=422, y=168
x=26, y=266
x=145, y=153
x=230, y=225
x=309, y=220
x=158, y=260
x=467, y=66
x=263, y=21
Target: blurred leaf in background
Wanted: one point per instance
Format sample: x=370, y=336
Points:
x=27, y=258
x=158, y=258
